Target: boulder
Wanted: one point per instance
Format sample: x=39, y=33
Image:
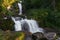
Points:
x=50, y=35
x=37, y=36
x=58, y=38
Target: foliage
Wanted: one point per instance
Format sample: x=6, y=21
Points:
x=8, y=35
x=7, y=24
x=7, y=3
x=37, y=4
x=54, y=18
x=20, y=35
x=3, y=7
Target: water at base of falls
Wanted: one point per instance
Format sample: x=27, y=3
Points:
x=26, y=25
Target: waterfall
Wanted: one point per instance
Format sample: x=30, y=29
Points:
x=33, y=26
x=17, y=23
x=20, y=8
x=25, y=24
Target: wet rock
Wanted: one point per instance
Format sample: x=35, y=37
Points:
x=50, y=35
x=37, y=36
x=49, y=30
x=58, y=38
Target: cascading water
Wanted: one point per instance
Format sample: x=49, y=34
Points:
x=32, y=26
x=20, y=7
x=17, y=23
x=17, y=20
x=25, y=24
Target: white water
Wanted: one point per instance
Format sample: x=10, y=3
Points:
x=33, y=26
x=20, y=7
x=17, y=23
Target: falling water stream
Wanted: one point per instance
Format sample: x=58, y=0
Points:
x=32, y=26
x=25, y=24
x=20, y=8
x=17, y=23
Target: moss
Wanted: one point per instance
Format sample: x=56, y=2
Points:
x=20, y=35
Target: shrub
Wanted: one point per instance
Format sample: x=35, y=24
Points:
x=6, y=24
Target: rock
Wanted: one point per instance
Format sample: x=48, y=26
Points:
x=49, y=30
x=37, y=36
x=28, y=36
x=58, y=38
x=50, y=35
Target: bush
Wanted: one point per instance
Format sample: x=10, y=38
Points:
x=6, y=24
